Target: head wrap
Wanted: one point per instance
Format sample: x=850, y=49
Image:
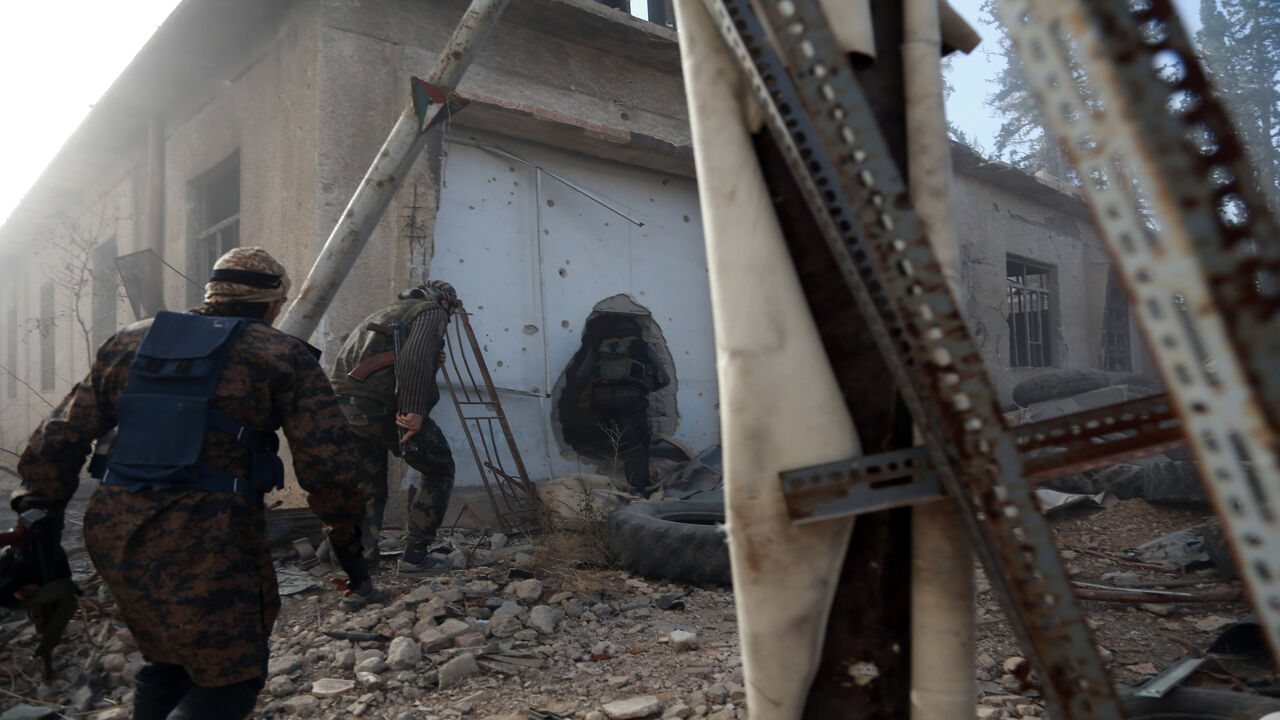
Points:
x=247, y=274
x=443, y=291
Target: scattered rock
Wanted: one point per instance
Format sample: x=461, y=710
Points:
x=280, y=686
x=331, y=687
x=1160, y=609
x=509, y=608
x=679, y=710
x=543, y=619
x=284, y=665
x=301, y=705
x=1014, y=665
x=636, y=707
x=472, y=639
x=683, y=640
x=456, y=670
x=1213, y=623
x=403, y=653
x=505, y=626
x=441, y=636
x=374, y=664
x=526, y=591
x=113, y=662
x=1143, y=668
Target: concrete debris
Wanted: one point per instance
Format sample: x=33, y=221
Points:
x=301, y=705
x=636, y=707
x=331, y=687
x=544, y=619
x=682, y=640
x=457, y=670
x=403, y=654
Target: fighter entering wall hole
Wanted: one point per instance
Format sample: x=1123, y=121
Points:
x=583, y=434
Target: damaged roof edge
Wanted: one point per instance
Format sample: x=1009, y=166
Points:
x=1044, y=189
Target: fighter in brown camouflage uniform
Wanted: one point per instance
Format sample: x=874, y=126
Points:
x=190, y=569
x=398, y=398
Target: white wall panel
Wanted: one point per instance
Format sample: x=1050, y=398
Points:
x=531, y=257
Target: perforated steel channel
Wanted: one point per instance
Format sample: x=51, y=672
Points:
x=1198, y=257
x=823, y=124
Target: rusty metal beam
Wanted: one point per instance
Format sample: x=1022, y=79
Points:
x=1193, y=241
x=820, y=116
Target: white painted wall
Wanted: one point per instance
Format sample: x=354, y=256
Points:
x=530, y=258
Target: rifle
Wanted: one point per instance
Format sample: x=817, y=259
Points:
x=31, y=555
x=398, y=331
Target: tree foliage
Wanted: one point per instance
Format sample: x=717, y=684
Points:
x=1021, y=139
x=1240, y=45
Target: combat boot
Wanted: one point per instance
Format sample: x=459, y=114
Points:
x=366, y=594
x=417, y=562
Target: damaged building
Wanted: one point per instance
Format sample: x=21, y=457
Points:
x=562, y=194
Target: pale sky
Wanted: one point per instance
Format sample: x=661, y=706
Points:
x=58, y=58
x=972, y=75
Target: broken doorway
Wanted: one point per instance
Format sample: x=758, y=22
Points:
x=577, y=427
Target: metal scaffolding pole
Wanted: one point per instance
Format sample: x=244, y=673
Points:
x=390, y=166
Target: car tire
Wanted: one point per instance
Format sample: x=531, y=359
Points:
x=676, y=539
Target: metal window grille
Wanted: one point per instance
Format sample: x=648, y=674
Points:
x=1029, y=306
x=1115, y=328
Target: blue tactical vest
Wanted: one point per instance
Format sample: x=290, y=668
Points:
x=167, y=408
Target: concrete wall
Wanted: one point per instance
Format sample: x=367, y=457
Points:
x=532, y=257
x=60, y=254
x=264, y=107
x=267, y=115
x=559, y=72
x=994, y=224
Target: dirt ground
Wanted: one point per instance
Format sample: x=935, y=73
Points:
x=523, y=632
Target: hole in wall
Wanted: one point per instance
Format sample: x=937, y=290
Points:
x=577, y=429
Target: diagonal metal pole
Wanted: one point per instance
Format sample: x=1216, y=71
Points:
x=390, y=166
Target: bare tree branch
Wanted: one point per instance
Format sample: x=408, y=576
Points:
x=26, y=384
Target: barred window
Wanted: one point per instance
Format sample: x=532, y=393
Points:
x=1030, y=299
x=1115, y=328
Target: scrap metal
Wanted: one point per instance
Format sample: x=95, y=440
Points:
x=1190, y=237
x=510, y=491
x=858, y=198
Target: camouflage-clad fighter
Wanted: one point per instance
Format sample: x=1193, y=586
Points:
x=177, y=528
x=384, y=393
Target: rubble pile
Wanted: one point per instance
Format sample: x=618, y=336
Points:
x=491, y=641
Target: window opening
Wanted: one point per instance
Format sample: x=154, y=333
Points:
x=217, y=207
x=1115, y=328
x=106, y=284
x=1029, y=305
x=47, y=338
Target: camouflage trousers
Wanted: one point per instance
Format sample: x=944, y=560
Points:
x=374, y=432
